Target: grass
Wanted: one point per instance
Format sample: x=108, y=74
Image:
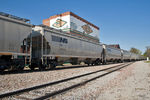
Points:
x=147, y=61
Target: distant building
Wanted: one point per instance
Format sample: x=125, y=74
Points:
x=115, y=46
x=73, y=24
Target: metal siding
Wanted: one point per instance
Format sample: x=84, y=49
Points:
x=113, y=53
x=12, y=35
x=74, y=47
x=126, y=54
x=134, y=56
x=2, y=35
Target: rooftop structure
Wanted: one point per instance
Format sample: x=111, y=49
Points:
x=115, y=46
x=73, y=24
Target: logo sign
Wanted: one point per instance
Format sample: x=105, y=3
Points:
x=59, y=23
x=59, y=39
x=87, y=29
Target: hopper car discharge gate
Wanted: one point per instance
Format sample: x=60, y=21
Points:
x=40, y=47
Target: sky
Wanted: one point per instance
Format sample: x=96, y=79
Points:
x=124, y=22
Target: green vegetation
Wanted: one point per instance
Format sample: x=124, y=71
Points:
x=147, y=61
x=147, y=52
x=135, y=50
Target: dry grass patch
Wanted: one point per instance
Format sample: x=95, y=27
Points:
x=147, y=61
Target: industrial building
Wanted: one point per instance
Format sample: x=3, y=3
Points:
x=73, y=24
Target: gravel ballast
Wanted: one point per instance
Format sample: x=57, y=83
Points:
x=129, y=83
x=11, y=82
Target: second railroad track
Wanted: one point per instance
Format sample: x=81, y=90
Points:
x=48, y=90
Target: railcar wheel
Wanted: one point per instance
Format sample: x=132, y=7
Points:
x=42, y=67
x=53, y=65
x=92, y=64
x=20, y=67
x=2, y=68
x=104, y=63
x=88, y=64
x=31, y=67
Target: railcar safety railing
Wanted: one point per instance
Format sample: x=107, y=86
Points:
x=14, y=17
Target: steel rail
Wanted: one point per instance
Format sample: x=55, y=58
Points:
x=48, y=95
x=52, y=83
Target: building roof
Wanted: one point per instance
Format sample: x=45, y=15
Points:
x=115, y=45
x=72, y=14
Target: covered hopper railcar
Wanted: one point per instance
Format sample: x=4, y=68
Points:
x=111, y=54
x=134, y=57
x=51, y=47
x=14, y=46
x=126, y=55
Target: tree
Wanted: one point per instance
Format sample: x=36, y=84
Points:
x=135, y=50
x=147, y=52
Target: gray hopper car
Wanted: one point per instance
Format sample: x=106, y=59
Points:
x=14, y=47
x=112, y=54
x=126, y=55
x=51, y=47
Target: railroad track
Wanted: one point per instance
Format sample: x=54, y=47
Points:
x=48, y=90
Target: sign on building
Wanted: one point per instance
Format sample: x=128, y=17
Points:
x=73, y=24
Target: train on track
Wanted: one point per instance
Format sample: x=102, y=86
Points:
x=23, y=44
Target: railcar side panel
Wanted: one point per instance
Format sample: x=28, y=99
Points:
x=65, y=45
x=126, y=55
x=113, y=53
x=12, y=35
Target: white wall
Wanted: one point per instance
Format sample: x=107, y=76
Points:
x=79, y=25
x=75, y=24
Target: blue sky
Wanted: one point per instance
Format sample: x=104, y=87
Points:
x=124, y=22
